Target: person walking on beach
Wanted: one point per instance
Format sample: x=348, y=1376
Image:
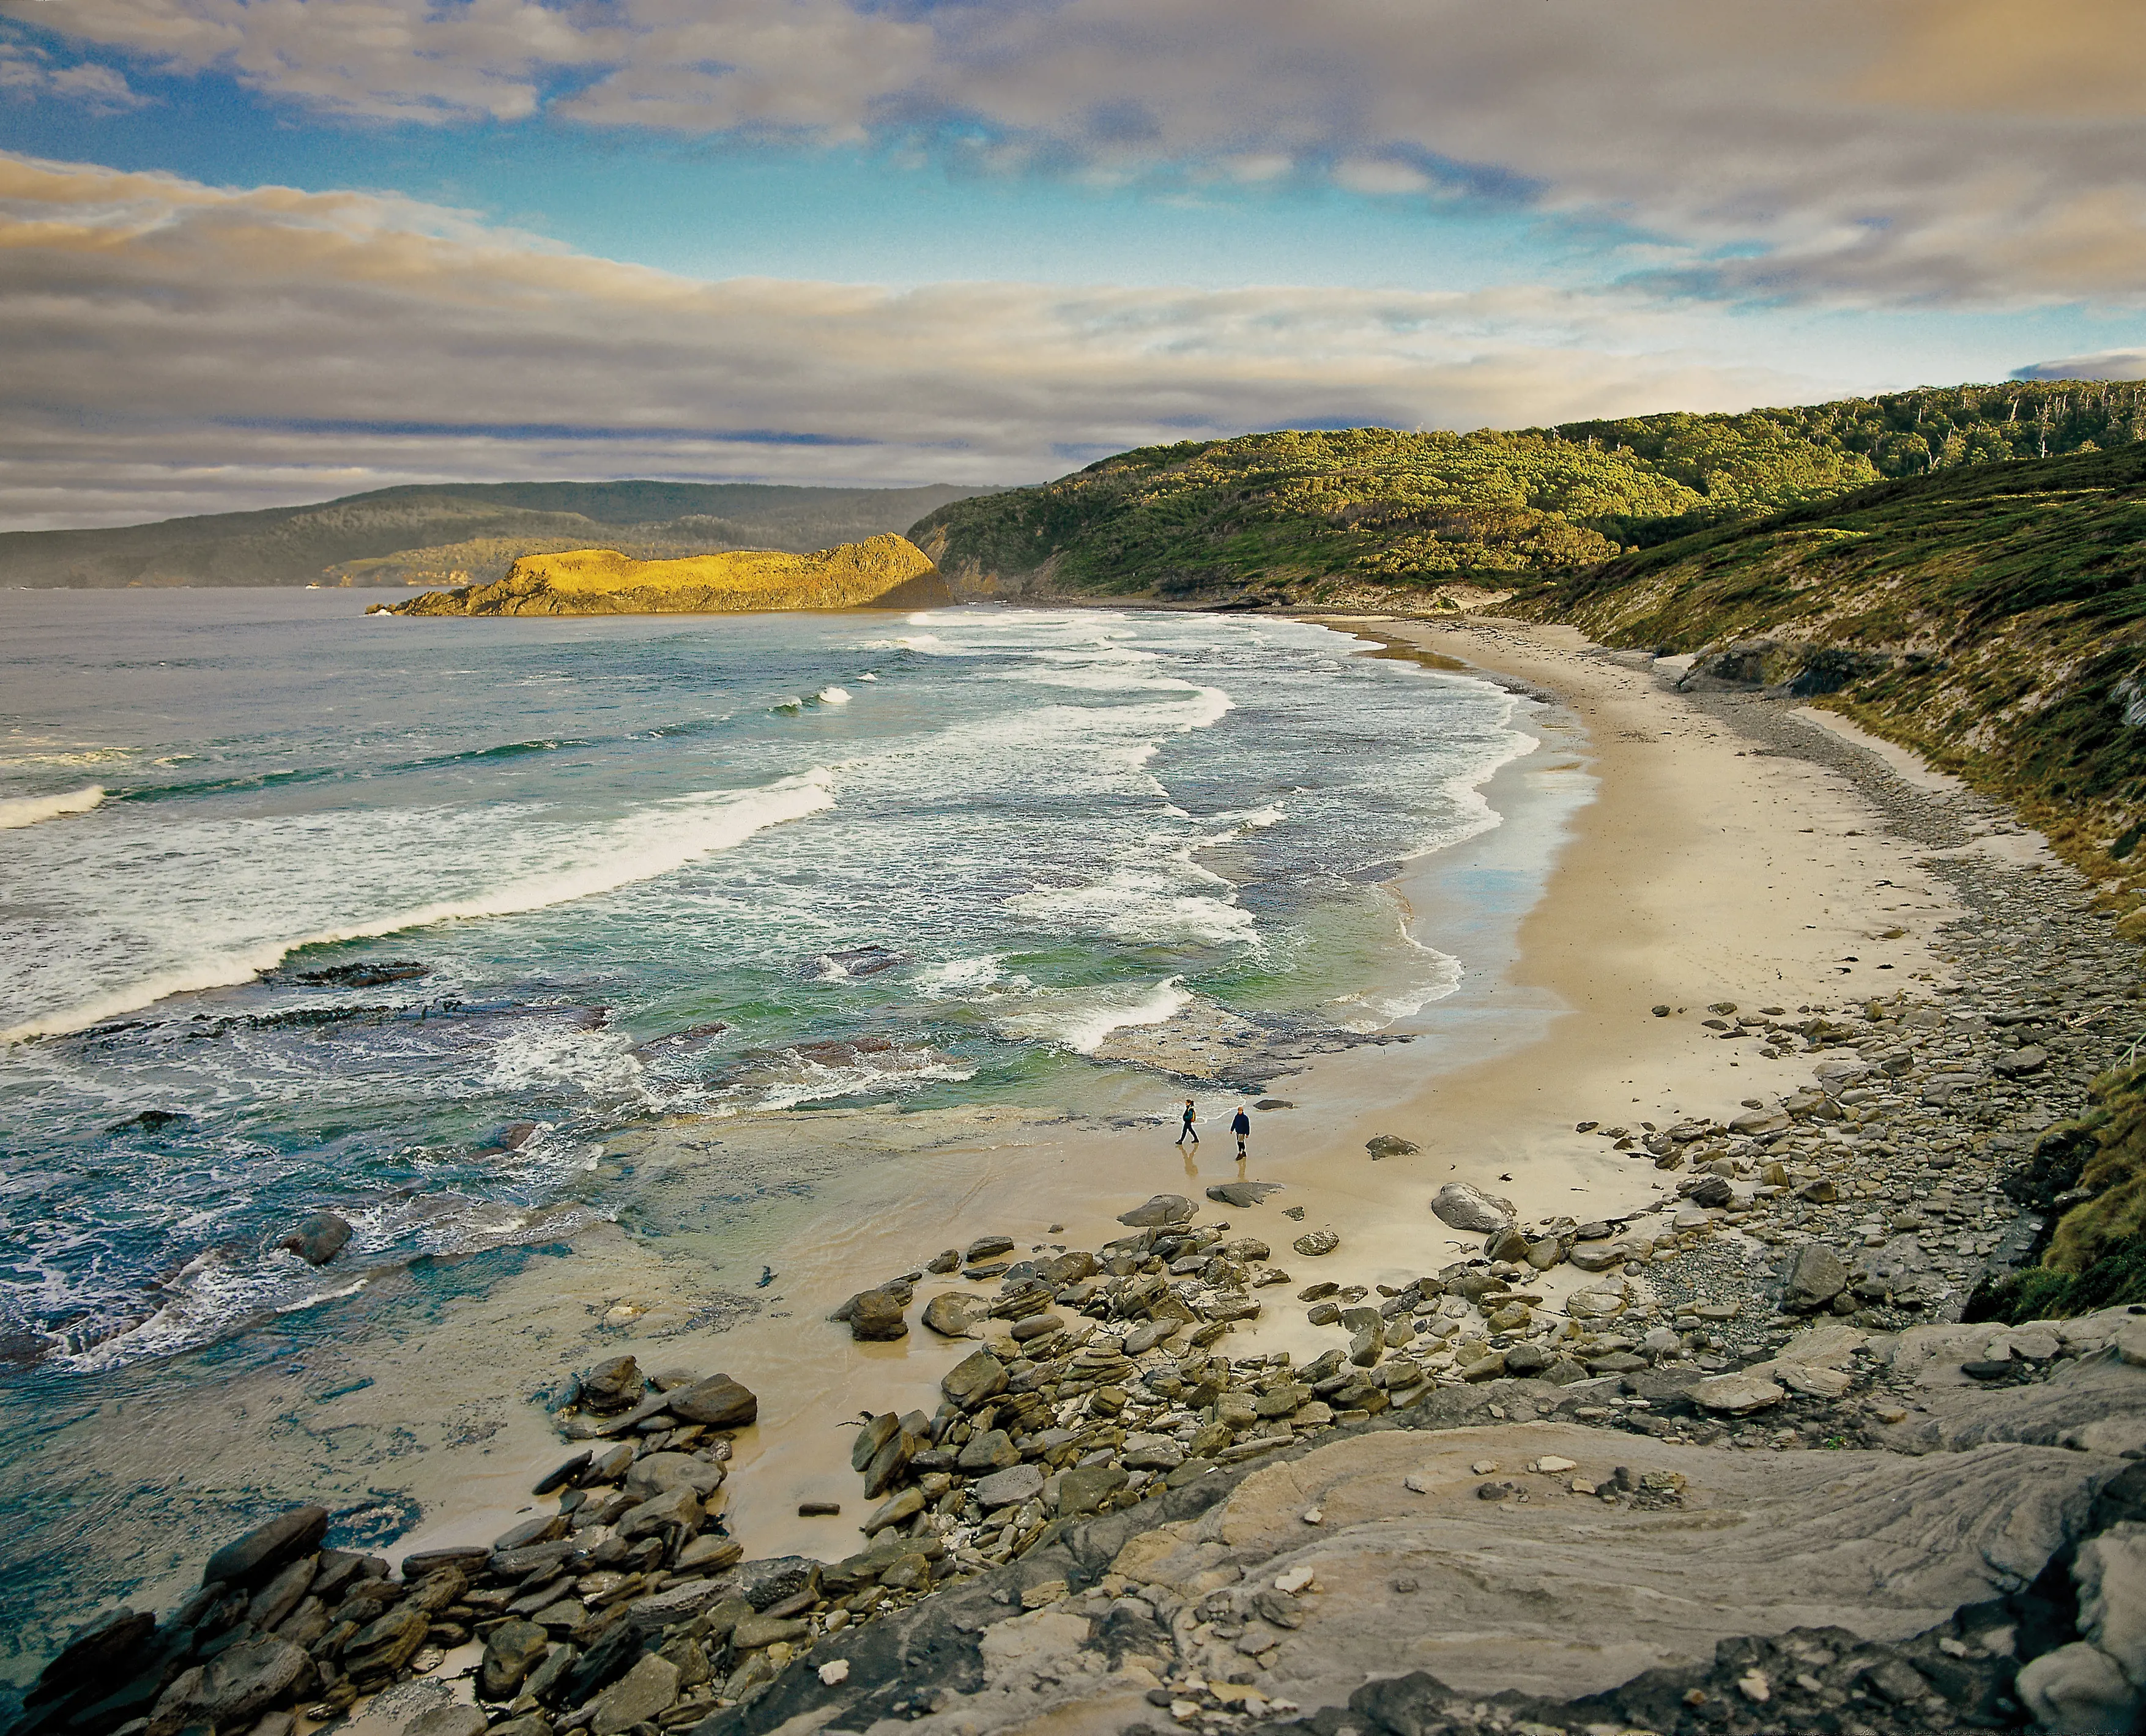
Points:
x=1188, y=1128
x=1241, y=1124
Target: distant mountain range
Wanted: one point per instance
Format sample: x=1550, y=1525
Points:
x=459, y=534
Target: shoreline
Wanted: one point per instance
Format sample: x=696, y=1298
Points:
x=363, y=1413
x=1608, y=939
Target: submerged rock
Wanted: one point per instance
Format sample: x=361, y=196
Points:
x=319, y=1238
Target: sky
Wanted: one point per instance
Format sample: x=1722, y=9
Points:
x=255, y=253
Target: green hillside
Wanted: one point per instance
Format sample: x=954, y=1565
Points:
x=423, y=535
x=1311, y=517
x=1992, y=616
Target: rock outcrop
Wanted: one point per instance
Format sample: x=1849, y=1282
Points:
x=884, y=573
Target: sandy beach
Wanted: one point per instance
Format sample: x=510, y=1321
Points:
x=1687, y=870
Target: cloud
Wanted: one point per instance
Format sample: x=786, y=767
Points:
x=1362, y=177
x=26, y=71
x=1947, y=151
x=2108, y=365
x=177, y=348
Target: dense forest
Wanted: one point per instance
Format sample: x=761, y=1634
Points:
x=1295, y=515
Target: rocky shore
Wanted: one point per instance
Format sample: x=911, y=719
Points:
x=1728, y=1461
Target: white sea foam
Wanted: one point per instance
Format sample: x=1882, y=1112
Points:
x=29, y=810
x=1081, y=1019
x=656, y=840
x=226, y=1286
x=833, y=696
x=794, y=1079
x=958, y=977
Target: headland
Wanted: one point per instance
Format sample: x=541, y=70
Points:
x=883, y=572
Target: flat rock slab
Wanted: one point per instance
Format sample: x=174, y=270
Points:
x=1244, y=1195
x=1564, y=1595
x=1002, y=1489
x=1162, y=1208
x=1736, y=1394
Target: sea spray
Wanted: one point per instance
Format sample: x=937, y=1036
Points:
x=29, y=810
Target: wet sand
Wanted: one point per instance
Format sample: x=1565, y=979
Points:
x=1686, y=869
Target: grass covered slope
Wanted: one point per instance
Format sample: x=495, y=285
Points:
x=456, y=533
x=2091, y=1174
x=1993, y=617
x=884, y=573
x=1309, y=517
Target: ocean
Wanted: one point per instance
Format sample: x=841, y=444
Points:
x=306, y=910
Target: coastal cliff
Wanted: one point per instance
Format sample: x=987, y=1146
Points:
x=883, y=572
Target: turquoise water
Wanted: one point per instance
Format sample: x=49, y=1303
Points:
x=629, y=867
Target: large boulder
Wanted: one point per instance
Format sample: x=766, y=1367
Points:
x=719, y=1402
x=876, y=1316
x=649, y=1688
x=511, y=1651
x=283, y=1594
x=103, y=1646
x=1160, y=1210
x=1461, y=1206
x=948, y=1314
x=265, y=1547
x=978, y=1376
x=319, y=1238
x=660, y=1473
x=245, y=1680
x=2078, y=1690
x=612, y=1385
x=1736, y=1394
x=1816, y=1276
